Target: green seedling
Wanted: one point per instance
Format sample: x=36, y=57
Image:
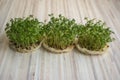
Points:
x=94, y=35
x=60, y=32
x=24, y=32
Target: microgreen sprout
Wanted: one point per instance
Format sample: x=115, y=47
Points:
x=24, y=32
x=94, y=35
x=60, y=32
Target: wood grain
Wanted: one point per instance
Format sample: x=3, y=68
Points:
x=41, y=64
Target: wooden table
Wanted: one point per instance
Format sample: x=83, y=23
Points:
x=42, y=65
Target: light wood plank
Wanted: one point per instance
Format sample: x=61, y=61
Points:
x=43, y=65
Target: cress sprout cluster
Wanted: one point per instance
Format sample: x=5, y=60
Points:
x=94, y=35
x=58, y=33
x=24, y=33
